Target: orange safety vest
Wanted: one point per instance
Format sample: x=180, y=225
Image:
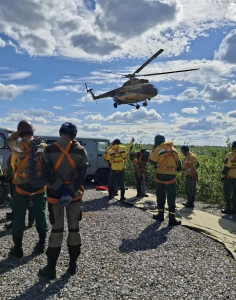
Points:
x=65, y=153
x=25, y=175
x=169, y=155
x=193, y=173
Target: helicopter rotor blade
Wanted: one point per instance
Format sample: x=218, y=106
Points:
x=148, y=61
x=161, y=73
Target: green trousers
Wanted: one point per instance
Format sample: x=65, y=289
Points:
x=166, y=190
x=20, y=204
x=117, y=178
x=190, y=188
x=230, y=193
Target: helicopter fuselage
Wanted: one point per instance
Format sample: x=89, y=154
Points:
x=135, y=92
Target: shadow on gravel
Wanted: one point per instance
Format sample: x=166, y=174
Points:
x=44, y=289
x=11, y=262
x=95, y=204
x=150, y=238
x=5, y=232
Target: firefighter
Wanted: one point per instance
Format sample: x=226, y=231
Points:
x=168, y=164
x=109, y=165
x=65, y=166
x=116, y=158
x=190, y=164
x=140, y=162
x=229, y=180
x=20, y=144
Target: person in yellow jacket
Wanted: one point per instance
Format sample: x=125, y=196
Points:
x=190, y=164
x=168, y=164
x=116, y=157
x=229, y=180
x=115, y=192
x=22, y=143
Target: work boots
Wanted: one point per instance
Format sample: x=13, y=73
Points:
x=49, y=271
x=39, y=247
x=111, y=196
x=172, y=220
x=74, y=252
x=122, y=195
x=159, y=216
x=17, y=249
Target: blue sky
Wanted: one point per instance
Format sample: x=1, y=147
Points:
x=41, y=41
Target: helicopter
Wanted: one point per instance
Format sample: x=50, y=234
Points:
x=134, y=90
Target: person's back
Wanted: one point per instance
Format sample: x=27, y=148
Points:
x=65, y=165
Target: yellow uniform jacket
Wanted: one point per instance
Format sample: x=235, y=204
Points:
x=167, y=159
x=117, y=155
x=229, y=165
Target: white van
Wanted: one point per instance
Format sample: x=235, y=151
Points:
x=95, y=147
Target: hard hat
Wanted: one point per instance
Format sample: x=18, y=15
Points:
x=185, y=148
x=159, y=139
x=146, y=154
x=69, y=129
x=25, y=128
x=234, y=145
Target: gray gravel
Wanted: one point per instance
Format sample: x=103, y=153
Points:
x=125, y=255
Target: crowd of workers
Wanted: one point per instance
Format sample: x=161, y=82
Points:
x=55, y=173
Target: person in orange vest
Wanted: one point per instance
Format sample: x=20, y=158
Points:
x=140, y=162
x=229, y=180
x=190, y=165
x=65, y=164
x=116, y=158
x=168, y=164
x=20, y=144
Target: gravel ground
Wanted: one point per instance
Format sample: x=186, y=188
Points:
x=125, y=255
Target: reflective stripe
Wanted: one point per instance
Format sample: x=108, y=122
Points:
x=23, y=192
x=166, y=182
x=64, y=152
x=171, y=213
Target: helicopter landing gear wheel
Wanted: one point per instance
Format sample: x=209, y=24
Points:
x=145, y=103
x=137, y=106
x=115, y=105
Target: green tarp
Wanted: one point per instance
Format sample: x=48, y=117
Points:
x=218, y=228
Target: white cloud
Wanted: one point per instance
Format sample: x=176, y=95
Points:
x=113, y=29
x=68, y=88
x=2, y=43
x=219, y=93
x=94, y=118
x=188, y=94
x=232, y=114
x=57, y=107
x=14, y=76
x=141, y=115
x=11, y=91
x=190, y=110
x=227, y=48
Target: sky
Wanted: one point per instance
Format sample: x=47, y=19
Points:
x=49, y=49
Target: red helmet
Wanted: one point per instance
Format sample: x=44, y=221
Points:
x=25, y=128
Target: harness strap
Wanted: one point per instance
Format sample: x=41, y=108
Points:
x=23, y=192
x=27, y=148
x=166, y=182
x=55, y=200
x=169, y=154
x=63, y=154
